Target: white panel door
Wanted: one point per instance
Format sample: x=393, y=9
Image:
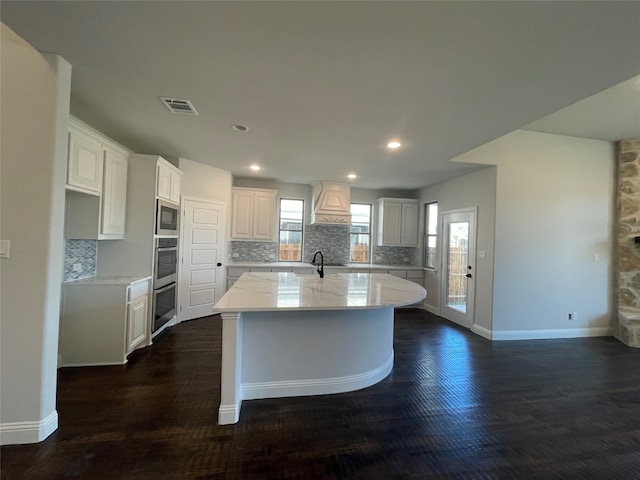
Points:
x=458, y=266
x=202, y=273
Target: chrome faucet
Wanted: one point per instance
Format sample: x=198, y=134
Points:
x=321, y=266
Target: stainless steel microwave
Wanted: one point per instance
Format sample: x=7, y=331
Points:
x=167, y=218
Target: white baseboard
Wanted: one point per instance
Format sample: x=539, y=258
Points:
x=228, y=414
x=431, y=309
x=482, y=331
x=28, y=432
x=316, y=386
x=551, y=333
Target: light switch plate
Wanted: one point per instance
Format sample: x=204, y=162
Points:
x=5, y=247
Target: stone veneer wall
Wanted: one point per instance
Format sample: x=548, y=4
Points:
x=628, y=227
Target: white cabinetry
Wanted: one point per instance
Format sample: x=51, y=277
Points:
x=84, y=172
x=114, y=195
x=137, y=315
x=253, y=214
x=103, y=320
x=95, y=211
x=397, y=222
x=331, y=203
x=168, y=178
x=415, y=275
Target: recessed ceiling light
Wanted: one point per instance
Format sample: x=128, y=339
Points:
x=255, y=168
x=240, y=128
x=393, y=145
x=352, y=176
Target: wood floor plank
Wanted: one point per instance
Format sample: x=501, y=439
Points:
x=455, y=406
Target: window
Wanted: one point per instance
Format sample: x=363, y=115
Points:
x=430, y=234
x=291, y=214
x=360, y=237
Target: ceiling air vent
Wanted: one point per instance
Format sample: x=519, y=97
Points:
x=177, y=105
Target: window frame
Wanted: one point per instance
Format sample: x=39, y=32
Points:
x=280, y=230
x=429, y=262
x=351, y=234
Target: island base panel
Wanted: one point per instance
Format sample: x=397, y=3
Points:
x=297, y=353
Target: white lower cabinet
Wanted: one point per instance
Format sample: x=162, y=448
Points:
x=137, y=315
x=415, y=275
x=103, y=320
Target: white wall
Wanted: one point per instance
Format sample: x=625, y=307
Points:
x=476, y=189
x=205, y=182
x=35, y=110
x=554, y=212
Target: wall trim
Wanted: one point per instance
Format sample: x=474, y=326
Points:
x=228, y=414
x=482, y=331
x=317, y=386
x=28, y=432
x=552, y=333
x=431, y=309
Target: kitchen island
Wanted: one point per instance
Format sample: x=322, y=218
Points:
x=285, y=334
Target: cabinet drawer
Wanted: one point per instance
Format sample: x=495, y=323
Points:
x=398, y=273
x=260, y=269
x=137, y=290
x=236, y=271
x=415, y=274
x=303, y=270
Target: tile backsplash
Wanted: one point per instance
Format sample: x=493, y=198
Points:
x=262, y=252
x=331, y=240
x=81, y=252
x=395, y=255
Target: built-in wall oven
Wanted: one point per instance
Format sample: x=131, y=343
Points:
x=164, y=281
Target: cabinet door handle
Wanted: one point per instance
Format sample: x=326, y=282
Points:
x=219, y=264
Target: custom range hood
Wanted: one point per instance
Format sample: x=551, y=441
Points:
x=330, y=203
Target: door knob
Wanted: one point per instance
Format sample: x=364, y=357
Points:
x=219, y=264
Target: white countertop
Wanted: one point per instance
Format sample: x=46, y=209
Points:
x=370, y=266
x=271, y=291
x=109, y=280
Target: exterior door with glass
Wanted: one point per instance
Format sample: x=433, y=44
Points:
x=458, y=266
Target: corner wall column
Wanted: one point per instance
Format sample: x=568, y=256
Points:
x=231, y=384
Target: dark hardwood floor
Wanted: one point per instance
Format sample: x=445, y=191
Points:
x=455, y=406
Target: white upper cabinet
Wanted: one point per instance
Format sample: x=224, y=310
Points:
x=397, y=222
x=253, y=214
x=84, y=172
x=168, y=178
x=96, y=185
x=114, y=195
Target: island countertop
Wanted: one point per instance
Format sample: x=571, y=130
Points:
x=276, y=291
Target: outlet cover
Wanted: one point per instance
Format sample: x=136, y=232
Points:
x=5, y=247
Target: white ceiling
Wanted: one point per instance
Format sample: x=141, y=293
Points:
x=611, y=115
x=323, y=86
